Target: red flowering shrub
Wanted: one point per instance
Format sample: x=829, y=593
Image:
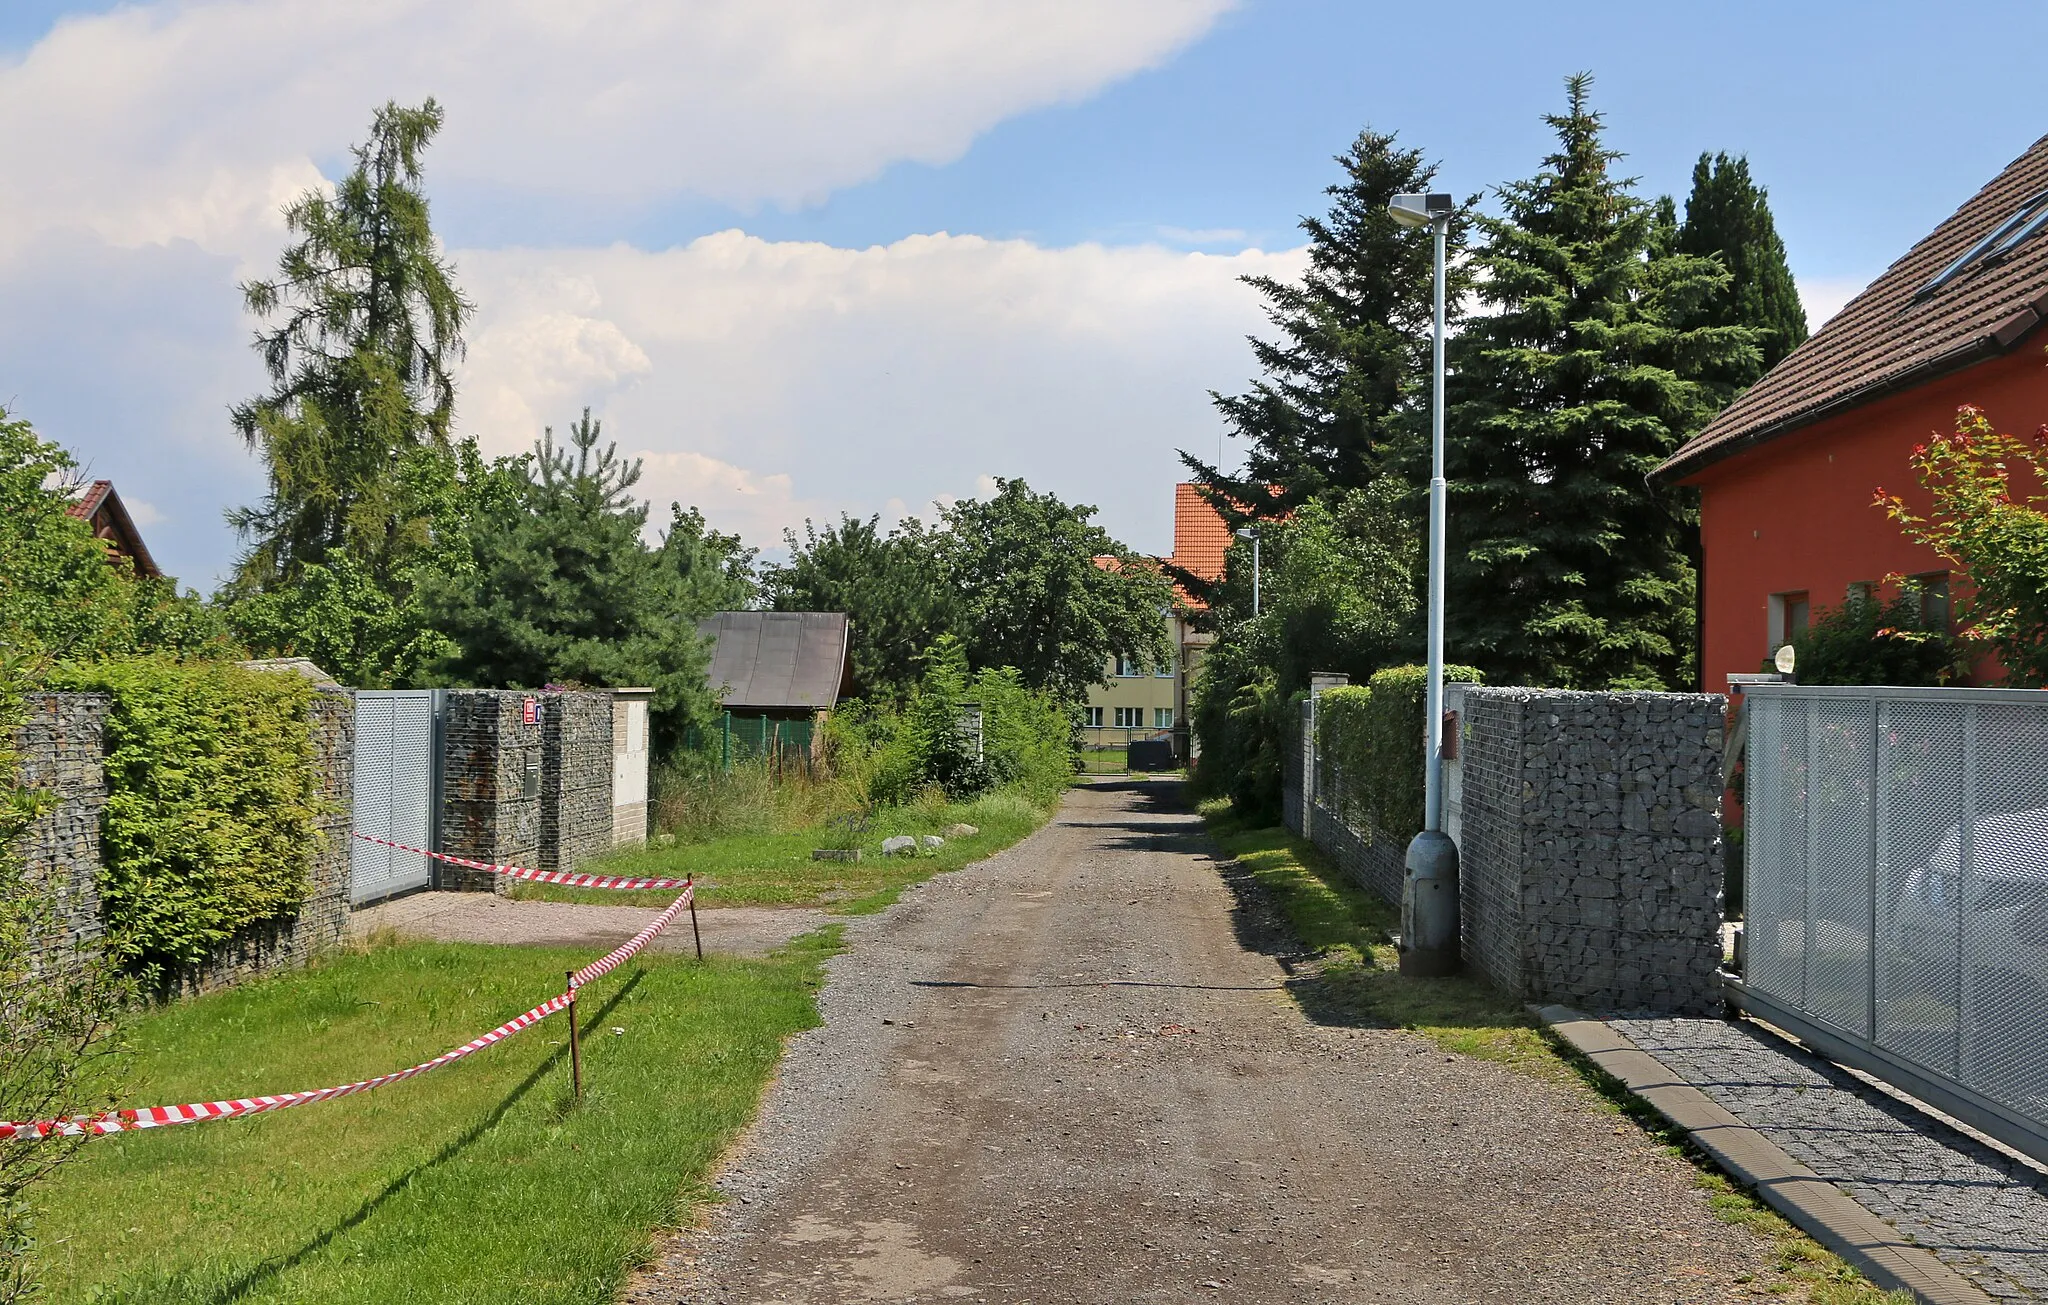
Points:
x=1990, y=518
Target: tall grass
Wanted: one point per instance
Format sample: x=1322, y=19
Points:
x=696, y=800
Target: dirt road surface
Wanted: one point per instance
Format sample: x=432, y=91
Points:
x=484, y=918
x=1070, y=1073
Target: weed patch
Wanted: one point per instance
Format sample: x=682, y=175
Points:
x=774, y=868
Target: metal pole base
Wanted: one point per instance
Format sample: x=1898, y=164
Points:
x=1429, y=907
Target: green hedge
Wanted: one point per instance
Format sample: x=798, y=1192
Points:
x=212, y=804
x=1373, y=735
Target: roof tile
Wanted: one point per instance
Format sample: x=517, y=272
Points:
x=1885, y=339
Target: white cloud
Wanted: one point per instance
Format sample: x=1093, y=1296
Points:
x=1823, y=297
x=196, y=120
x=785, y=379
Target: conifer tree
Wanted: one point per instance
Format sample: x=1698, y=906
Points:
x=359, y=363
x=1338, y=394
x=1728, y=216
x=1566, y=568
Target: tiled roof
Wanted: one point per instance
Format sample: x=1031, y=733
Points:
x=1200, y=536
x=86, y=498
x=1888, y=338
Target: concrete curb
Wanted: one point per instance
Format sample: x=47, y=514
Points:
x=1819, y=1208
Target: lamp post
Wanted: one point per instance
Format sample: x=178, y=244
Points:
x=1429, y=895
x=1252, y=533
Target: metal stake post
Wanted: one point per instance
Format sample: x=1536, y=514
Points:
x=690, y=886
x=575, y=1047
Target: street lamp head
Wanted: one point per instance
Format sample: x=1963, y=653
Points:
x=1420, y=210
x=1247, y=532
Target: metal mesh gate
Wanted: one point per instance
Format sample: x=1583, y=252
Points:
x=1897, y=889
x=397, y=786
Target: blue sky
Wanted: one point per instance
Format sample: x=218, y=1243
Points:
x=1102, y=181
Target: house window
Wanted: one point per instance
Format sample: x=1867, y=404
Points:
x=1935, y=612
x=1128, y=669
x=1093, y=717
x=1787, y=619
x=1860, y=592
x=1130, y=718
x=1162, y=718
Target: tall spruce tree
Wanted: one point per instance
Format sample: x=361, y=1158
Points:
x=1566, y=569
x=1337, y=399
x=365, y=323
x=1728, y=216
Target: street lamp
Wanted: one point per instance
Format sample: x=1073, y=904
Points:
x=1252, y=533
x=1429, y=894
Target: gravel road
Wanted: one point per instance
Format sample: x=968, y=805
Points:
x=1069, y=1073
x=484, y=918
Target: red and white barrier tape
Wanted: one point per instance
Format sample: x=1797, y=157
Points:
x=606, y=964
x=122, y=1121
x=537, y=876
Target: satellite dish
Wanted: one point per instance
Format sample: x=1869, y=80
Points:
x=1784, y=660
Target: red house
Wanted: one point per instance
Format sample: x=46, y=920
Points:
x=1786, y=473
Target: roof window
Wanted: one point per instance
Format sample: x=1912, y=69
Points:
x=2022, y=226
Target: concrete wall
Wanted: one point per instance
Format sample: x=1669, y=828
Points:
x=490, y=808
x=62, y=750
x=631, y=751
x=1588, y=828
x=575, y=778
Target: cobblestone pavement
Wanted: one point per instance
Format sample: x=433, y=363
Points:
x=1984, y=1213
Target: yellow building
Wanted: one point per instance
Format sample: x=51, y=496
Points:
x=1137, y=703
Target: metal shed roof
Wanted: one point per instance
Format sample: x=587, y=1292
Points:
x=777, y=661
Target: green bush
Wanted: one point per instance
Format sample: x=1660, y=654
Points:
x=1869, y=642
x=212, y=804
x=891, y=755
x=1373, y=736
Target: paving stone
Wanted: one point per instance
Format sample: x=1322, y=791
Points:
x=1982, y=1212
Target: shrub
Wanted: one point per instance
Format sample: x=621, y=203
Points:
x=890, y=756
x=1373, y=737
x=212, y=805
x=1990, y=518
x=1865, y=641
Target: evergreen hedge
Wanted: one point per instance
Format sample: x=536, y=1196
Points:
x=212, y=804
x=1373, y=736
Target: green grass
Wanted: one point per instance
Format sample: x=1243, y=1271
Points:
x=480, y=1182
x=1350, y=977
x=775, y=868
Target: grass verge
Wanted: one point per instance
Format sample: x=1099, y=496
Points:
x=1350, y=977
x=775, y=868
x=481, y=1182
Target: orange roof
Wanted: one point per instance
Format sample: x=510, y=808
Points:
x=1200, y=537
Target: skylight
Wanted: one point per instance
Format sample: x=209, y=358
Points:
x=2023, y=225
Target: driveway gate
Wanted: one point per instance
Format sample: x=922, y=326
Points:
x=397, y=790
x=1896, y=853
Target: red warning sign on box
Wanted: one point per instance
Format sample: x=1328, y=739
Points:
x=531, y=710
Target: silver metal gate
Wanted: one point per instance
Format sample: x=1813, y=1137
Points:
x=1896, y=854
x=397, y=790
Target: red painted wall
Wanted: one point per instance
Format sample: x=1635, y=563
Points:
x=1794, y=513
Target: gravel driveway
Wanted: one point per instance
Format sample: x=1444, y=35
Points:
x=1059, y=1075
